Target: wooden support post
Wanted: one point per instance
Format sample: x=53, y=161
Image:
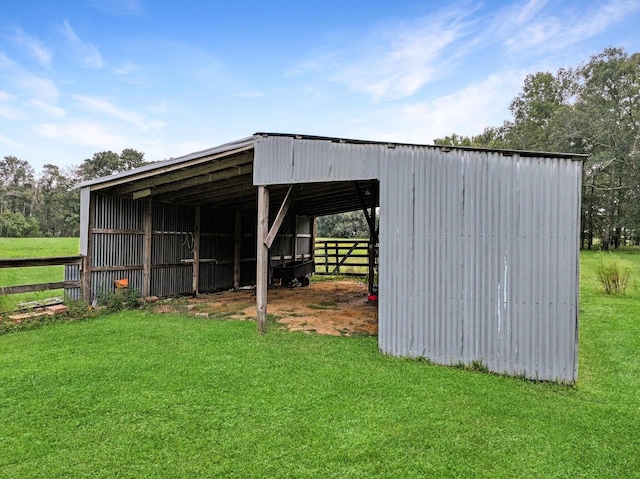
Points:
x=237, y=249
x=196, y=251
x=372, y=249
x=86, y=262
x=294, y=245
x=262, y=259
x=146, y=255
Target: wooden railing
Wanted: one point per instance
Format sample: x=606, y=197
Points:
x=50, y=261
x=342, y=257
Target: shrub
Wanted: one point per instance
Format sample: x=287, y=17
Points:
x=613, y=277
x=119, y=300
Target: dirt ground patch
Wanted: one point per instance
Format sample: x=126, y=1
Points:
x=337, y=308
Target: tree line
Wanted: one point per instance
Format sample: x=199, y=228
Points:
x=592, y=109
x=48, y=204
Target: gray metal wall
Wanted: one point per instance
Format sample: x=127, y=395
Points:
x=285, y=160
x=478, y=261
x=478, y=250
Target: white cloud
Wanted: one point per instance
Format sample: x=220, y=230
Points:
x=248, y=94
x=553, y=29
x=395, y=61
x=81, y=132
x=8, y=141
x=5, y=61
x=37, y=87
x=8, y=111
x=105, y=107
x=35, y=47
x=100, y=105
x=48, y=108
x=467, y=112
x=127, y=68
x=89, y=54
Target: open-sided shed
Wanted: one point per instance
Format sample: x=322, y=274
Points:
x=478, y=249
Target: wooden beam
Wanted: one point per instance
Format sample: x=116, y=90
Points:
x=30, y=288
x=282, y=212
x=146, y=255
x=196, y=251
x=372, y=250
x=205, y=179
x=262, y=260
x=149, y=175
x=363, y=206
x=194, y=175
x=24, y=262
x=237, y=249
x=209, y=187
x=136, y=195
x=86, y=264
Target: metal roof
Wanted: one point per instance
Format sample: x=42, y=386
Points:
x=224, y=177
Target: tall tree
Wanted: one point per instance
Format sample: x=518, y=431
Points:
x=592, y=109
x=17, y=186
x=58, y=201
x=107, y=163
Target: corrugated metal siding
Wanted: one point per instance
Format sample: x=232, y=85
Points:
x=478, y=260
x=72, y=273
x=280, y=160
x=117, y=242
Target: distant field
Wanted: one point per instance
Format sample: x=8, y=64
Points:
x=33, y=248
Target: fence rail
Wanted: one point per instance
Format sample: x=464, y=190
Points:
x=342, y=257
x=49, y=261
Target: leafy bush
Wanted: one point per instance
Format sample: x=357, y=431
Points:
x=613, y=277
x=118, y=300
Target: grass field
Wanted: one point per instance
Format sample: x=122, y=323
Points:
x=33, y=248
x=141, y=395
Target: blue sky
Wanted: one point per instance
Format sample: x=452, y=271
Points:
x=169, y=77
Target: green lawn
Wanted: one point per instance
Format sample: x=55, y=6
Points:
x=33, y=248
x=142, y=395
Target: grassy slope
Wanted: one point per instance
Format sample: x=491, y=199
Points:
x=137, y=395
x=33, y=248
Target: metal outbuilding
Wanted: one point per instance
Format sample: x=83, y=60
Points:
x=478, y=248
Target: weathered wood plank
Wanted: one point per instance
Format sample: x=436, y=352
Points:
x=185, y=175
x=150, y=175
x=30, y=288
x=196, y=251
x=277, y=222
x=50, y=261
x=262, y=263
x=146, y=255
x=237, y=249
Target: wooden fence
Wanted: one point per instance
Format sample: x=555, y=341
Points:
x=331, y=257
x=49, y=261
x=342, y=257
